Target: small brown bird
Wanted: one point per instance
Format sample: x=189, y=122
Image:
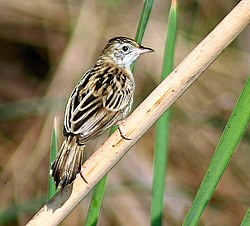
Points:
x=103, y=97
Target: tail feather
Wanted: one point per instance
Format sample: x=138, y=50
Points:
x=68, y=162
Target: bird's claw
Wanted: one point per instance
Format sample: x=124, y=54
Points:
x=121, y=130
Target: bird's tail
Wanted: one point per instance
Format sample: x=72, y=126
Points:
x=68, y=162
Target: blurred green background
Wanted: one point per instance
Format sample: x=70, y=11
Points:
x=45, y=47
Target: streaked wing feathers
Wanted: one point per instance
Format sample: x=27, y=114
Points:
x=97, y=102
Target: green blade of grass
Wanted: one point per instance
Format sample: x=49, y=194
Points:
x=229, y=140
x=246, y=219
x=97, y=198
x=53, y=152
x=146, y=11
x=162, y=126
x=147, y=7
x=96, y=202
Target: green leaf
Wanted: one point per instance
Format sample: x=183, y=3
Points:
x=162, y=126
x=229, y=140
x=96, y=202
x=147, y=7
x=97, y=198
x=53, y=152
x=246, y=219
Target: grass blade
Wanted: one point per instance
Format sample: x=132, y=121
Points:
x=96, y=203
x=97, y=198
x=162, y=126
x=229, y=140
x=246, y=219
x=53, y=152
x=147, y=7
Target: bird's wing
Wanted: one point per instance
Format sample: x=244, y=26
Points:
x=97, y=103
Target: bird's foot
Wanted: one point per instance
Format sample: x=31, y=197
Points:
x=120, y=125
x=82, y=176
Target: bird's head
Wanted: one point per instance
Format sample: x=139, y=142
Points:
x=124, y=51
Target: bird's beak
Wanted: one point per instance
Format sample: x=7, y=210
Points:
x=143, y=49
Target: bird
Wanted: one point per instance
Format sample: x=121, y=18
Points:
x=103, y=97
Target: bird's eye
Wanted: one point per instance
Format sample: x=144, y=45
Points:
x=125, y=48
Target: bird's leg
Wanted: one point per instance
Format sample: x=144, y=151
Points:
x=121, y=130
x=82, y=176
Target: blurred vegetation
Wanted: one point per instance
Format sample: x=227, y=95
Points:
x=45, y=46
